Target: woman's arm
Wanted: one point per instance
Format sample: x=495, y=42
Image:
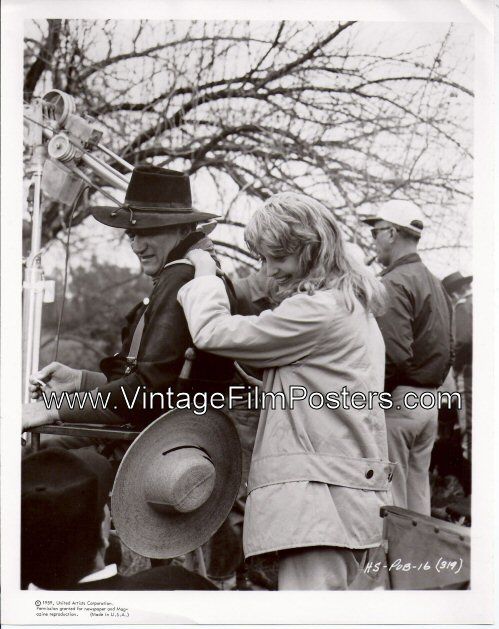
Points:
x=274, y=338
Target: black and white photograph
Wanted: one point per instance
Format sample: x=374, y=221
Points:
x=247, y=261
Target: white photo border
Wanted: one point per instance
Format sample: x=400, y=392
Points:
x=222, y=608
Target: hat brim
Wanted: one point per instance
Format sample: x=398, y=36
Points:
x=121, y=218
x=161, y=535
x=371, y=220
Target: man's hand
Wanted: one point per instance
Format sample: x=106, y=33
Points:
x=37, y=414
x=57, y=377
x=203, y=263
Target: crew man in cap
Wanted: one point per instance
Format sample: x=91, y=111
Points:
x=459, y=289
x=160, y=222
x=416, y=328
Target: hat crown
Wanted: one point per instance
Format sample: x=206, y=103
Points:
x=179, y=480
x=154, y=187
x=455, y=280
x=402, y=213
x=59, y=473
x=155, y=197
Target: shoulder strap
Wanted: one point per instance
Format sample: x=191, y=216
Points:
x=186, y=261
x=180, y=261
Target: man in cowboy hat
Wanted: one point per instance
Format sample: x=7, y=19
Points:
x=161, y=224
x=416, y=328
x=459, y=288
x=65, y=526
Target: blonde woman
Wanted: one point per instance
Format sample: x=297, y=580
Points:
x=319, y=473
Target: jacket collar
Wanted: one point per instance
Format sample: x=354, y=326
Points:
x=407, y=259
x=184, y=245
x=179, y=251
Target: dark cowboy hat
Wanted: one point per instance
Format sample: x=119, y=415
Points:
x=155, y=197
x=177, y=483
x=455, y=280
x=62, y=508
x=65, y=478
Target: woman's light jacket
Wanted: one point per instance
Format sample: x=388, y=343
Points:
x=318, y=475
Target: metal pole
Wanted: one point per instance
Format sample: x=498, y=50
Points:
x=201, y=563
x=117, y=158
x=33, y=299
x=33, y=284
x=106, y=171
x=33, y=278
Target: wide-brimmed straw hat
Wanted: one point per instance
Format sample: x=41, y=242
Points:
x=177, y=483
x=155, y=197
x=455, y=281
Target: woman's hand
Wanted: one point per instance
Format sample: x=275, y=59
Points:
x=203, y=263
x=57, y=377
x=37, y=414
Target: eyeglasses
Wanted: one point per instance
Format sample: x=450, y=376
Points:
x=375, y=230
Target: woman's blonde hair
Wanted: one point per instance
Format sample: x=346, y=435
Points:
x=291, y=223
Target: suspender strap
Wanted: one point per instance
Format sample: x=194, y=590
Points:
x=133, y=352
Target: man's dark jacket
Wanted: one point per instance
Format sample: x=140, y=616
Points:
x=416, y=327
x=164, y=341
x=463, y=327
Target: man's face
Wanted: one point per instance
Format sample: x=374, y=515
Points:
x=383, y=234
x=153, y=245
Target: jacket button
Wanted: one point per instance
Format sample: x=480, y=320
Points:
x=369, y=474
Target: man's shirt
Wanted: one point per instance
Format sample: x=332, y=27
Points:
x=417, y=325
